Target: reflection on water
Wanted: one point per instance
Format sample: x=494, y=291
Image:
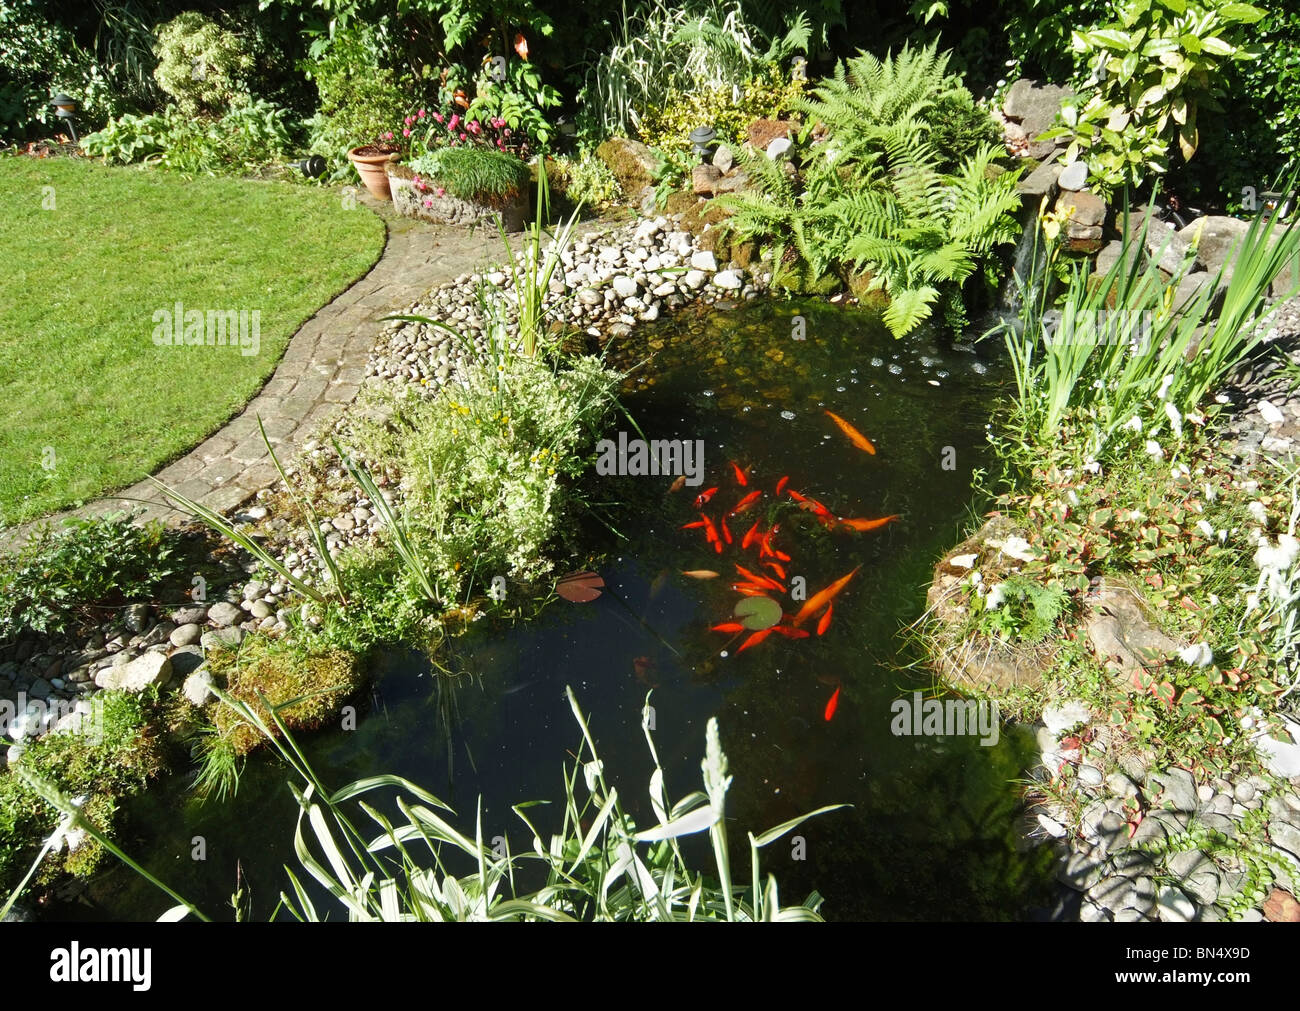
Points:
x=932, y=828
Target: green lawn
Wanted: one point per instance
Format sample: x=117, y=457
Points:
x=81, y=377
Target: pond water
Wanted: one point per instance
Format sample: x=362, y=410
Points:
x=933, y=827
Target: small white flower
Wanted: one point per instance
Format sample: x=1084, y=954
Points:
x=1175, y=419
x=1073, y=497
x=1247, y=722
x=1199, y=655
x=1214, y=600
x=1135, y=515
x=1134, y=424
x=1252, y=602
x=1165, y=383
x=1205, y=528
x=1258, y=513
x=1154, y=450
x=1092, y=467
x=996, y=597
x=1211, y=493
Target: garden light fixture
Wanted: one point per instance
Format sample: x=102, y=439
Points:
x=313, y=167
x=64, y=107
x=702, y=137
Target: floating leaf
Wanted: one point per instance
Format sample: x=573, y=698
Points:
x=580, y=587
x=758, y=612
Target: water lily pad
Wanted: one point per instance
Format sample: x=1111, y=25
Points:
x=580, y=587
x=758, y=612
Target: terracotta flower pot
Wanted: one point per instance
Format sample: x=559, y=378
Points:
x=372, y=165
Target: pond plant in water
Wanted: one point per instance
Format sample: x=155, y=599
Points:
x=601, y=866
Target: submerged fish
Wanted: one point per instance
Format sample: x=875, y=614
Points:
x=700, y=573
x=740, y=474
x=703, y=497
x=832, y=705
x=855, y=437
x=864, y=525
x=820, y=599
x=750, y=537
x=754, y=639
x=825, y=622
x=677, y=485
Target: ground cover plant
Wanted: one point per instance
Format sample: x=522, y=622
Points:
x=102, y=252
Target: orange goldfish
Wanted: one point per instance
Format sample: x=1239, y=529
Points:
x=832, y=705
x=754, y=577
x=864, y=525
x=820, y=599
x=677, y=485
x=825, y=621
x=700, y=574
x=740, y=474
x=746, y=503
x=751, y=536
x=725, y=531
x=754, y=639
x=728, y=626
x=781, y=484
x=790, y=633
x=855, y=437
x=703, y=497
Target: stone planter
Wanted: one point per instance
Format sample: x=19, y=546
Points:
x=426, y=205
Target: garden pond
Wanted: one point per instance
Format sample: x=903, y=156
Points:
x=933, y=832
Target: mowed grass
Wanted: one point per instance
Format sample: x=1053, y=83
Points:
x=88, y=402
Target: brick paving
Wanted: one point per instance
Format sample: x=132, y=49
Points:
x=320, y=372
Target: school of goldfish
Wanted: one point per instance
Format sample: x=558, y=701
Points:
x=769, y=572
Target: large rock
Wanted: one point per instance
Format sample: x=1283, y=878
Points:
x=145, y=670
x=1034, y=106
x=1120, y=633
x=224, y=614
x=1041, y=182
x=1166, y=247
x=196, y=687
x=632, y=163
x=704, y=179
x=1214, y=236
x=762, y=132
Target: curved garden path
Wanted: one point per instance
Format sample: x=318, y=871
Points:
x=320, y=372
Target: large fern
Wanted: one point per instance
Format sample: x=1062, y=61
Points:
x=874, y=196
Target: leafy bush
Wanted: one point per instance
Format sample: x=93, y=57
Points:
x=59, y=580
x=520, y=101
x=872, y=198
x=472, y=173
x=361, y=97
x=201, y=66
x=585, y=179
x=1152, y=70
x=728, y=109
x=664, y=49
x=487, y=467
x=38, y=57
x=253, y=133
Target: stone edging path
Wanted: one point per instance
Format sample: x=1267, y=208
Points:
x=320, y=372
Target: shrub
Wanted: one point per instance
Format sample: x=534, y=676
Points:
x=487, y=466
x=252, y=133
x=1151, y=72
x=201, y=66
x=360, y=96
x=59, y=580
x=38, y=57
x=728, y=109
x=585, y=179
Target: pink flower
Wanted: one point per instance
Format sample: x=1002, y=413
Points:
x=406, y=132
x=474, y=127
x=429, y=201
x=501, y=144
x=454, y=121
x=506, y=131
x=420, y=114
x=408, y=120
x=462, y=137
x=440, y=191
x=388, y=135
x=438, y=116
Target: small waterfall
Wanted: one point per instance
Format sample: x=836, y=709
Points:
x=1028, y=264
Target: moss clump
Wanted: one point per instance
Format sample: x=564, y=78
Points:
x=271, y=671
x=102, y=767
